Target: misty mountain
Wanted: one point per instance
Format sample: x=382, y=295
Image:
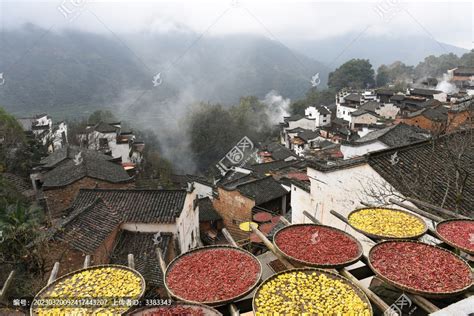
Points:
x=378, y=49
x=71, y=72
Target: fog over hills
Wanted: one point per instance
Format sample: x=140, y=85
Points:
x=72, y=72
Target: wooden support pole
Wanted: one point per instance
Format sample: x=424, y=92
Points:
x=131, y=261
x=437, y=208
x=416, y=210
x=233, y=310
x=366, y=204
x=161, y=261
x=229, y=237
x=87, y=261
x=270, y=246
x=424, y=303
x=311, y=217
x=419, y=300
x=7, y=283
x=54, y=273
x=284, y=221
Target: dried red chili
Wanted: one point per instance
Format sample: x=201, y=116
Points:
x=459, y=233
x=420, y=266
x=317, y=244
x=176, y=310
x=210, y=275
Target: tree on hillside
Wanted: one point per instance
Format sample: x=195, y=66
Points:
x=313, y=97
x=356, y=74
x=396, y=73
x=212, y=131
x=433, y=66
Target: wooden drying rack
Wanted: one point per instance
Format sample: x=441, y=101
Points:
x=421, y=301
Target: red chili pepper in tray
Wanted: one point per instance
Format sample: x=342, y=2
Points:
x=176, y=310
x=317, y=244
x=420, y=266
x=459, y=233
x=213, y=275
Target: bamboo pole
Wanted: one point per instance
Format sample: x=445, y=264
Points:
x=233, y=310
x=229, y=237
x=54, y=273
x=270, y=246
x=131, y=261
x=416, y=210
x=419, y=300
x=87, y=261
x=437, y=208
x=311, y=217
x=284, y=221
x=161, y=260
x=7, y=283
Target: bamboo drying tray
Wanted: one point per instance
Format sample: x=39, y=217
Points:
x=302, y=263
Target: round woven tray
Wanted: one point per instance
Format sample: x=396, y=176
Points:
x=452, y=244
x=70, y=274
x=208, y=311
x=213, y=303
x=413, y=290
x=329, y=274
x=302, y=263
x=374, y=236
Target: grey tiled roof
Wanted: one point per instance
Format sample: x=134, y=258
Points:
x=69, y=152
x=263, y=168
x=262, y=190
x=427, y=170
x=396, y=135
x=464, y=71
x=143, y=248
x=279, y=152
x=292, y=118
x=137, y=206
x=308, y=135
x=68, y=172
x=207, y=212
x=104, y=127
x=424, y=92
x=87, y=227
x=371, y=106
x=361, y=111
x=352, y=97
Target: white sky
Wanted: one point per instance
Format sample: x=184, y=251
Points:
x=446, y=21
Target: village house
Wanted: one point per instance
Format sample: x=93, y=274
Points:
x=274, y=151
x=434, y=171
x=439, y=119
x=347, y=103
x=463, y=78
x=110, y=138
x=64, y=172
x=109, y=224
x=427, y=93
x=321, y=114
x=392, y=136
x=151, y=211
x=41, y=126
x=240, y=195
